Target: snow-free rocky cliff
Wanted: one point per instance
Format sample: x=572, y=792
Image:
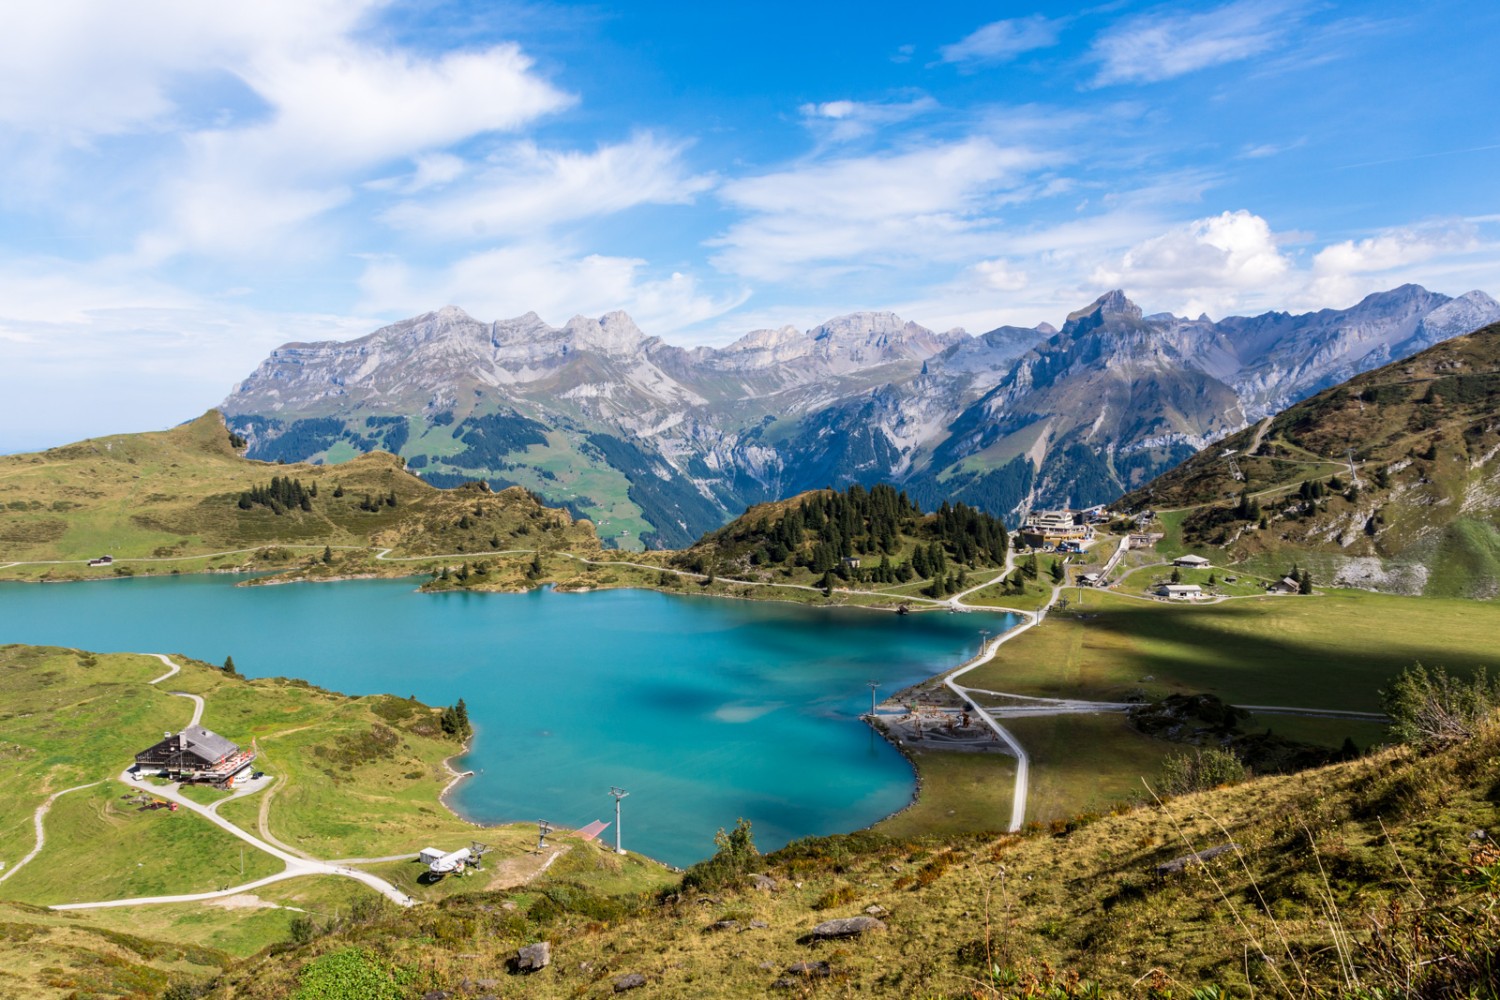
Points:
x=664, y=442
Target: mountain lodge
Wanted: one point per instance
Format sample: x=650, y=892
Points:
x=197, y=754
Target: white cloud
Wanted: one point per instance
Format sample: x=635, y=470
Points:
x=1350, y=269
x=131, y=352
x=248, y=121
x=526, y=189
x=1002, y=41
x=1156, y=47
x=547, y=279
x=840, y=121
x=930, y=203
x=1207, y=265
x=1001, y=275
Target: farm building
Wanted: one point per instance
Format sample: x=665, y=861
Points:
x=1192, y=562
x=1286, y=585
x=197, y=754
x=1180, y=591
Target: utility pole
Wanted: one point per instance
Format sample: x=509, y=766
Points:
x=618, y=793
x=873, y=686
x=1353, y=476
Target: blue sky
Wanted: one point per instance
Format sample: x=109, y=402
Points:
x=186, y=185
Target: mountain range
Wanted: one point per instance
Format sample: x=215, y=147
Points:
x=658, y=443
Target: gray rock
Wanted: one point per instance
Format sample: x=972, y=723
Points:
x=810, y=970
x=876, y=910
x=758, y=925
x=764, y=883
x=629, y=981
x=846, y=927
x=436, y=995
x=724, y=925
x=534, y=957
x=1177, y=865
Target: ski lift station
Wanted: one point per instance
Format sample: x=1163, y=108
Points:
x=446, y=863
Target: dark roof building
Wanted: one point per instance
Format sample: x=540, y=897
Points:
x=196, y=754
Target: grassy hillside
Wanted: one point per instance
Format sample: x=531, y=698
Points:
x=352, y=777
x=184, y=500
x=1424, y=516
x=1355, y=878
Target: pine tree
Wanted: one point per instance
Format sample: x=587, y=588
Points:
x=338, y=490
x=1304, y=583
x=327, y=555
x=1058, y=574
x=229, y=666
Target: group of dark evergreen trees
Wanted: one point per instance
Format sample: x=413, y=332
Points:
x=455, y=721
x=839, y=533
x=283, y=494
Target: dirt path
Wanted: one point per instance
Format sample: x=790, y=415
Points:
x=41, y=831
x=296, y=866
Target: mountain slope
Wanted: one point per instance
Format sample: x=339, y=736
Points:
x=181, y=493
x=658, y=444
x=1320, y=884
x=1424, y=516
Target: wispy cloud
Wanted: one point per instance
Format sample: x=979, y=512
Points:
x=1002, y=41
x=1160, y=46
x=525, y=189
x=831, y=216
x=841, y=121
x=552, y=279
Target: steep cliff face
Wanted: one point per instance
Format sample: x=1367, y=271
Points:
x=659, y=443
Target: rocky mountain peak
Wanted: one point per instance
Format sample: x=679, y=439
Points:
x=1111, y=307
x=613, y=333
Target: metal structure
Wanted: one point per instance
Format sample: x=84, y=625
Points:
x=618, y=793
x=542, y=829
x=874, y=686
x=1234, y=467
x=1353, y=476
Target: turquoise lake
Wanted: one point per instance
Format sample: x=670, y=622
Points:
x=704, y=709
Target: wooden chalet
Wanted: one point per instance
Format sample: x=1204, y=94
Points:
x=197, y=754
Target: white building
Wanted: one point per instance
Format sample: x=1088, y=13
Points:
x=1180, y=591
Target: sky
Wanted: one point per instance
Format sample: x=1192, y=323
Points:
x=186, y=184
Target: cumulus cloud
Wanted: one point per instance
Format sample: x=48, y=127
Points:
x=1160, y=46
x=525, y=188
x=1207, y=265
x=1002, y=41
x=1352, y=268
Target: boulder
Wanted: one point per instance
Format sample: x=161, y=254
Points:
x=534, y=957
x=764, y=883
x=810, y=970
x=846, y=927
x=724, y=925
x=629, y=981
x=758, y=925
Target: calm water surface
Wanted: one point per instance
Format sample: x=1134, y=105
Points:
x=704, y=710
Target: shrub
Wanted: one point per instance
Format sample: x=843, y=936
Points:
x=732, y=861
x=1200, y=770
x=835, y=897
x=1429, y=709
